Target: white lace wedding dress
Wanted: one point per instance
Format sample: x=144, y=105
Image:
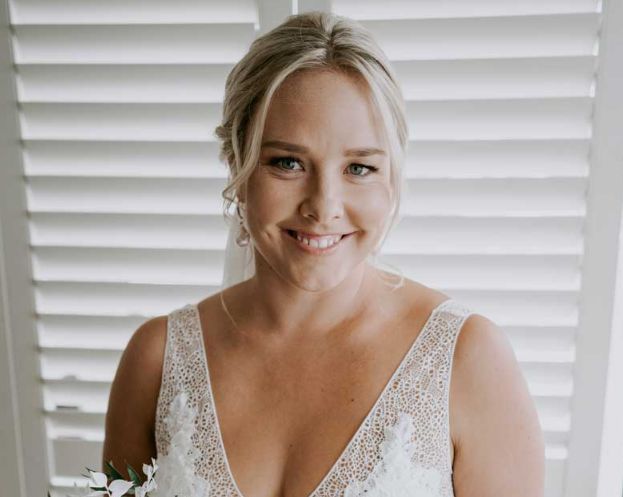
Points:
x=401, y=449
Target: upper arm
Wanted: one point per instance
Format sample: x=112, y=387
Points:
x=131, y=413
x=499, y=449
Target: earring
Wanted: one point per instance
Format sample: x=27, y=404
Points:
x=242, y=240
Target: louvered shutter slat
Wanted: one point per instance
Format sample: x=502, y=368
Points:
x=487, y=37
x=146, y=83
x=399, y=9
x=133, y=12
x=132, y=44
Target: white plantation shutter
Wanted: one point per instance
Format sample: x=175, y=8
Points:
x=118, y=102
x=500, y=98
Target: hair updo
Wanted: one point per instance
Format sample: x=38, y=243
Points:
x=306, y=41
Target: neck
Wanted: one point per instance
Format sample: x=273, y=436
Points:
x=282, y=310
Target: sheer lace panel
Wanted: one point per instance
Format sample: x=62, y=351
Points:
x=401, y=448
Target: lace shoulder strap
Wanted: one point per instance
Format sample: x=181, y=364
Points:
x=452, y=315
x=182, y=368
x=178, y=410
x=427, y=377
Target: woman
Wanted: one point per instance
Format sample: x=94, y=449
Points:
x=313, y=375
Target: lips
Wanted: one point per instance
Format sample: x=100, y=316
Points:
x=292, y=233
x=315, y=250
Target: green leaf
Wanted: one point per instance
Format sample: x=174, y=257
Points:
x=134, y=476
x=114, y=473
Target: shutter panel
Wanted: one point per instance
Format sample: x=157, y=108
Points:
x=118, y=104
x=500, y=97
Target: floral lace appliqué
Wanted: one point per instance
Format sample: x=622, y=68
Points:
x=176, y=473
x=395, y=475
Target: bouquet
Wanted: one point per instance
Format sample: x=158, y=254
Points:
x=176, y=467
x=112, y=484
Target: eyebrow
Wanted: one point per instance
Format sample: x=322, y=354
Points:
x=293, y=147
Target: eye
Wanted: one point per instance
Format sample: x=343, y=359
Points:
x=286, y=162
x=362, y=167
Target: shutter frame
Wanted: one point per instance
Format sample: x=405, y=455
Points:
x=595, y=448
x=24, y=470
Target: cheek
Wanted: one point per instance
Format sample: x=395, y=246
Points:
x=372, y=205
x=270, y=200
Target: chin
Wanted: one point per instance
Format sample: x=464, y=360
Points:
x=318, y=280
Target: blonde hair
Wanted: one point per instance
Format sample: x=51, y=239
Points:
x=314, y=40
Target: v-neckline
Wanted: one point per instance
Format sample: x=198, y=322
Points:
x=418, y=339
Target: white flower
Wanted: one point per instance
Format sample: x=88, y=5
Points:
x=148, y=470
x=98, y=480
x=395, y=475
x=117, y=488
x=146, y=487
x=150, y=484
x=176, y=470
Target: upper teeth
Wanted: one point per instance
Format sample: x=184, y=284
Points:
x=319, y=242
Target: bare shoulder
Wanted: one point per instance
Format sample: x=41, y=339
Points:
x=142, y=360
x=131, y=413
x=420, y=298
x=148, y=342
x=497, y=437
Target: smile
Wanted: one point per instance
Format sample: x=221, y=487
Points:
x=323, y=247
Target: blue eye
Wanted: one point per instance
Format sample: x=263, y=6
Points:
x=279, y=161
x=371, y=169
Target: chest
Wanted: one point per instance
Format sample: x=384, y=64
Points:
x=287, y=416
x=316, y=419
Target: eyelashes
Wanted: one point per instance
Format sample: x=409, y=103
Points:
x=279, y=161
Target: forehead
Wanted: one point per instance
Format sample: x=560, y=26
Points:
x=324, y=106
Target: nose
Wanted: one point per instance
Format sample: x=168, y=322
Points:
x=323, y=200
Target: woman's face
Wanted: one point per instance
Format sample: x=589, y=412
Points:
x=323, y=169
